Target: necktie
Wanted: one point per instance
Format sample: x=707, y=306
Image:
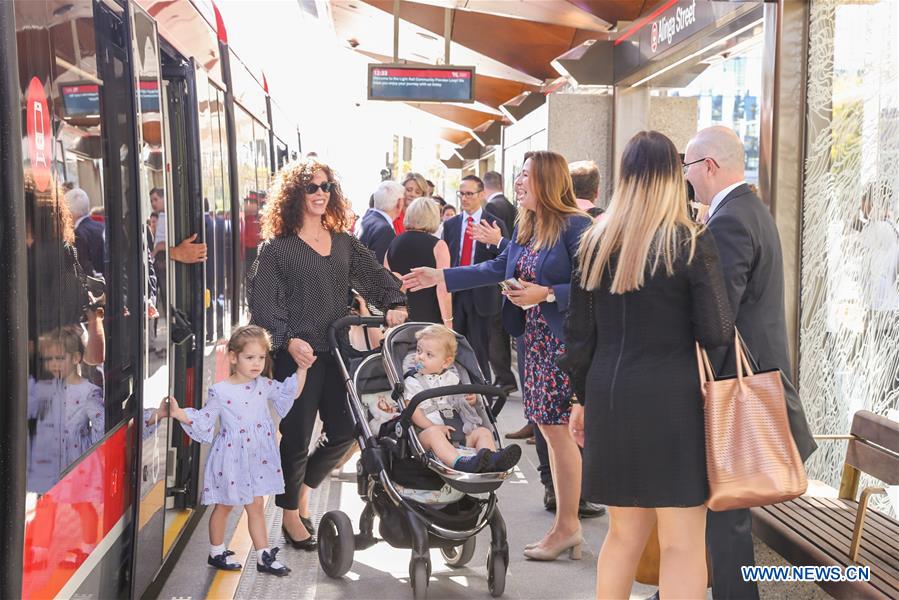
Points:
x=467, y=243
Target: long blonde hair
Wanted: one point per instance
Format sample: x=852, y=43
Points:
x=647, y=223
x=554, y=193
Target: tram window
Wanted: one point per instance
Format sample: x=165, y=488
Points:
x=217, y=201
x=81, y=302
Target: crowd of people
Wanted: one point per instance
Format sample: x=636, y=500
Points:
x=604, y=309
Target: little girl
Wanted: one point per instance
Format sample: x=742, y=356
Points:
x=244, y=464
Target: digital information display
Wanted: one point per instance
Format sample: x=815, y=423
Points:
x=81, y=100
x=420, y=84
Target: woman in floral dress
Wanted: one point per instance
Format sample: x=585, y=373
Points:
x=541, y=256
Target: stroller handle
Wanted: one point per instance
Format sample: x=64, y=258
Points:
x=349, y=321
x=450, y=390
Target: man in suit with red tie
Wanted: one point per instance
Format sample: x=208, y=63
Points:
x=473, y=309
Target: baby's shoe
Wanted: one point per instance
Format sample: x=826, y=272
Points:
x=268, y=564
x=220, y=561
x=472, y=464
x=503, y=460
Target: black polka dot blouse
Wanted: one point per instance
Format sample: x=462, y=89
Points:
x=295, y=292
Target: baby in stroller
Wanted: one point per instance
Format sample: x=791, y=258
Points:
x=445, y=422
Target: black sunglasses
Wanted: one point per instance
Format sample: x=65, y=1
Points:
x=326, y=187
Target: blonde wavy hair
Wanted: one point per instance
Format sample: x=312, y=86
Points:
x=283, y=213
x=647, y=223
x=554, y=193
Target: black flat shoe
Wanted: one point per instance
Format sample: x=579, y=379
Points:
x=268, y=562
x=589, y=510
x=307, y=523
x=310, y=543
x=221, y=562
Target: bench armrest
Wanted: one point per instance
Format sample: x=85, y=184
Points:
x=860, y=519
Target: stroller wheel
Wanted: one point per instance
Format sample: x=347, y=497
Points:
x=458, y=556
x=418, y=577
x=336, y=543
x=496, y=574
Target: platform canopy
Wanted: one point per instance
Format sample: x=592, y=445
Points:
x=512, y=44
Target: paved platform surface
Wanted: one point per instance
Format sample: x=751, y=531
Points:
x=381, y=572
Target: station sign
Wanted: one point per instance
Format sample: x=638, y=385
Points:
x=421, y=84
x=82, y=100
x=664, y=28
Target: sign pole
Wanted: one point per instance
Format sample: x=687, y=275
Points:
x=396, y=31
x=447, y=33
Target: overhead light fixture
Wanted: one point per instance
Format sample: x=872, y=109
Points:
x=519, y=106
x=590, y=63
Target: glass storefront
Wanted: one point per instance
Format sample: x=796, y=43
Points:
x=849, y=311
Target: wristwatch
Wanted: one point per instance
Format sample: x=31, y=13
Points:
x=551, y=296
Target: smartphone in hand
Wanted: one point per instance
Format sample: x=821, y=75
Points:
x=511, y=284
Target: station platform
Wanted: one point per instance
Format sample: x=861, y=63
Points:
x=381, y=572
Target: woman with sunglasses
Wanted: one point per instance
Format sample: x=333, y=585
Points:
x=307, y=268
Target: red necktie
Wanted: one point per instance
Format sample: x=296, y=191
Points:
x=467, y=243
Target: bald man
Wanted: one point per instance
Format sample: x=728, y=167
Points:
x=749, y=247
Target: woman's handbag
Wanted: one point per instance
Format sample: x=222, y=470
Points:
x=751, y=457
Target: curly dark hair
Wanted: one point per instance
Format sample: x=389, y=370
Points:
x=283, y=213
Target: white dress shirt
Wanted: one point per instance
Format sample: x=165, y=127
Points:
x=720, y=196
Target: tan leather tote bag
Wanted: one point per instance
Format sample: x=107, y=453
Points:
x=751, y=457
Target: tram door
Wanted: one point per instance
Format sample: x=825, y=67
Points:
x=154, y=203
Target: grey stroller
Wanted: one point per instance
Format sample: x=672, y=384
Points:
x=420, y=502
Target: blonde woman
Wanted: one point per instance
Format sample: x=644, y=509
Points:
x=648, y=286
x=541, y=257
x=418, y=247
x=414, y=186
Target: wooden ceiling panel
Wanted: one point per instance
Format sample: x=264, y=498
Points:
x=524, y=45
x=456, y=113
x=613, y=11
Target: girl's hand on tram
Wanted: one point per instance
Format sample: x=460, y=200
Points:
x=397, y=316
x=421, y=278
x=576, y=424
x=301, y=352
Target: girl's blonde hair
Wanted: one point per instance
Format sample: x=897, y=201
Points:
x=555, y=200
x=422, y=214
x=647, y=222
x=442, y=335
x=245, y=334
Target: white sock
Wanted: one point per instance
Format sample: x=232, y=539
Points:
x=275, y=564
x=218, y=550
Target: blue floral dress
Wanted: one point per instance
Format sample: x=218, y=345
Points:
x=244, y=461
x=547, y=390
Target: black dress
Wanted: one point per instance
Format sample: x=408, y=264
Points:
x=632, y=362
x=416, y=249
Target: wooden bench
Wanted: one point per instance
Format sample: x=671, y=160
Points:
x=842, y=531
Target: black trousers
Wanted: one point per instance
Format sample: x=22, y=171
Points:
x=474, y=327
x=324, y=394
x=500, y=352
x=728, y=537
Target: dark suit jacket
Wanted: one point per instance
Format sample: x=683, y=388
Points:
x=554, y=267
x=89, y=243
x=488, y=300
x=500, y=207
x=377, y=234
x=751, y=259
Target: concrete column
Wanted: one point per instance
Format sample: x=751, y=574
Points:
x=675, y=116
x=580, y=128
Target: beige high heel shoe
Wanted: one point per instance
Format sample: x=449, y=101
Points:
x=573, y=545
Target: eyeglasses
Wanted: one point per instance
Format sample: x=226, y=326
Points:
x=467, y=194
x=326, y=187
x=686, y=166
